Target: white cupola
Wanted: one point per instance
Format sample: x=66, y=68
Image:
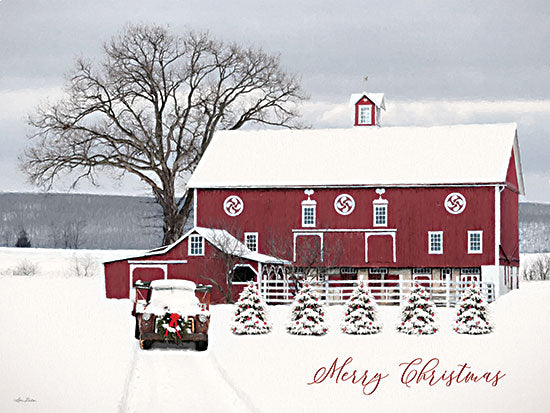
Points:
x=366, y=108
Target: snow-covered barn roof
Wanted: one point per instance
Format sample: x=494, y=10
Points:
x=376, y=98
x=387, y=156
x=219, y=238
x=228, y=244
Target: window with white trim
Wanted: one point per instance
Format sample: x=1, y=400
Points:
x=365, y=115
x=382, y=271
x=470, y=271
x=380, y=213
x=435, y=242
x=195, y=245
x=251, y=241
x=422, y=271
x=472, y=274
x=308, y=215
x=446, y=274
x=475, y=242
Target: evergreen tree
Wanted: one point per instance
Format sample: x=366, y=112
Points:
x=307, y=315
x=360, y=316
x=417, y=315
x=472, y=316
x=251, y=314
x=23, y=240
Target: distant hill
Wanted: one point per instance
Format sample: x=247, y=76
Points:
x=127, y=222
x=80, y=220
x=534, y=227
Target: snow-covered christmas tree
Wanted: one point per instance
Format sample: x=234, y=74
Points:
x=360, y=313
x=251, y=315
x=472, y=316
x=307, y=315
x=417, y=315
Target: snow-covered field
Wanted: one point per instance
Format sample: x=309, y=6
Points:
x=65, y=348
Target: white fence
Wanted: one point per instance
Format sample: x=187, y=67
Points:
x=391, y=292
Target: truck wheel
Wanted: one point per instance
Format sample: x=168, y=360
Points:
x=201, y=345
x=137, y=330
x=145, y=344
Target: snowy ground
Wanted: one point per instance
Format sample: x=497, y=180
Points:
x=69, y=349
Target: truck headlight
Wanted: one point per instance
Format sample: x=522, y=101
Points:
x=202, y=318
x=146, y=316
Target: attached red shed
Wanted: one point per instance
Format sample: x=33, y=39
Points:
x=202, y=255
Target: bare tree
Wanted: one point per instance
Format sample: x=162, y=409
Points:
x=8, y=236
x=311, y=263
x=537, y=269
x=69, y=234
x=151, y=108
x=228, y=251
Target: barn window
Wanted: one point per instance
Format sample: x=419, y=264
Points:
x=446, y=274
x=471, y=274
x=382, y=271
x=435, y=242
x=365, y=115
x=422, y=271
x=251, y=241
x=380, y=213
x=475, y=242
x=243, y=274
x=196, y=245
x=308, y=215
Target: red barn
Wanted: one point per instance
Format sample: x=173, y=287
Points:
x=392, y=204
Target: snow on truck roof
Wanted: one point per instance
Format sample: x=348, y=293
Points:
x=360, y=156
x=170, y=297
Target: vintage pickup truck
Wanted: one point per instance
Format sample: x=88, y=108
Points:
x=172, y=310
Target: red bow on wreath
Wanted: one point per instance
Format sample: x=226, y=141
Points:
x=173, y=323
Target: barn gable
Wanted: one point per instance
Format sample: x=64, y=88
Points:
x=514, y=173
x=367, y=108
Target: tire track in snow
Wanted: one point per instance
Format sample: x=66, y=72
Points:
x=240, y=394
x=161, y=378
x=123, y=405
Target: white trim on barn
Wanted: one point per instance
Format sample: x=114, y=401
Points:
x=305, y=232
x=498, y=224
x=133, y=265
x=249, y=266
x=195, y=207
x=195, y=245
x=391, y=232
x=472, y=243
x=157, y=262
x=433, y=242
x=377, y=206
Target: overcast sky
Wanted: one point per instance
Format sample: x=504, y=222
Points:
x=438, y=62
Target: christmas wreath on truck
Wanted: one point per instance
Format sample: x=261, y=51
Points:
x=172, y=310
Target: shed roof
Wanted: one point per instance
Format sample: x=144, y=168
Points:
x=219, y=238
x=387, y=156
